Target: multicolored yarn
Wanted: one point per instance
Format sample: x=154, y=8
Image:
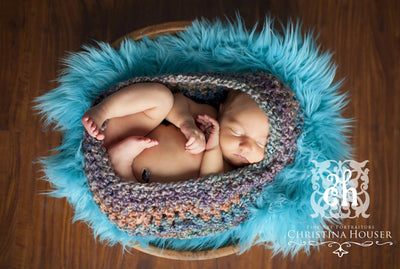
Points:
x=206, y=205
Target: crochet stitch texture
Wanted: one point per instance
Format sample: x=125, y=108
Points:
x=205, y=205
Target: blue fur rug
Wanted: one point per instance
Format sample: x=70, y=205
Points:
x=212, y=46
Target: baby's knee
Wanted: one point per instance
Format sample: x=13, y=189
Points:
x=162, y=101
x=162, y=95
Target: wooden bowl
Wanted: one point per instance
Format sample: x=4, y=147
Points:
x=189, y=255
x=152, y=32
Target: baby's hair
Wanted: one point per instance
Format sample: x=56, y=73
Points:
x=229, y=97
x=229, y=101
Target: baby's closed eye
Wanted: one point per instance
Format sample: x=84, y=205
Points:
x=236, y=132
x=262, y=143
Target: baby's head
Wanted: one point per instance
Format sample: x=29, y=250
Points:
x=244, y=129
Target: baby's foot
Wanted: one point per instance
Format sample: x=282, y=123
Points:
x=92, y=120
x=136, y=144
x=130, y=147
x=124, y=152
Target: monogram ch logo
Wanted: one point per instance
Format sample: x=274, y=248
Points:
x=341, y=193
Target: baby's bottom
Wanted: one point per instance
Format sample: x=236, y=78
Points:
x=124, y=152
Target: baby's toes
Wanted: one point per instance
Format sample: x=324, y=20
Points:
x=89, y=126
x=85, y=122
x=85, y=118
x=93, y=127
x=95, y=130
x=151, y=143
x=100, y=136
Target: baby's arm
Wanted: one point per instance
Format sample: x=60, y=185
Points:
x=212, y=162
x=181, y=115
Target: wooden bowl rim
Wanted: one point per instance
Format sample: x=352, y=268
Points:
x=188, y=255
x=154, y=31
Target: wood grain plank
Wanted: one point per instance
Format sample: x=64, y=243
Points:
x=9, y=170
x=36, y=230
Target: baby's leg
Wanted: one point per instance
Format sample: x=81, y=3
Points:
x=152, y=100
x=132, y=113
x=123, y=153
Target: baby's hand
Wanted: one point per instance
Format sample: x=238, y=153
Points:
x=195, y=138
x=210, y=128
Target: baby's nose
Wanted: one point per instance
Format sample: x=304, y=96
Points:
x=246, y=145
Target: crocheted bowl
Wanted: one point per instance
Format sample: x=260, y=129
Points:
x=206, y=205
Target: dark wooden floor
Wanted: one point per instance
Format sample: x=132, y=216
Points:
x=36, y=230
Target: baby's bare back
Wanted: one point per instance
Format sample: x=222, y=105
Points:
x=168, y=161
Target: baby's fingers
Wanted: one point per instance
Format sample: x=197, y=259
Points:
x=207, y=120
x=211, y=120
x=194, y=145
x=203, y=123
x=195, y=149
x=190, y=142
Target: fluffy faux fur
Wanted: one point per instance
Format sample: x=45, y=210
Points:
x=212, y=46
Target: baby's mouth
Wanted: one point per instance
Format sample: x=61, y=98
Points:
x=242, y=158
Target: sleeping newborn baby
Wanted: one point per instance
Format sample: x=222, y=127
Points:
x=143, y=149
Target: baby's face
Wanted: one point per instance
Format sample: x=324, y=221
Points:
x=244, y=130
